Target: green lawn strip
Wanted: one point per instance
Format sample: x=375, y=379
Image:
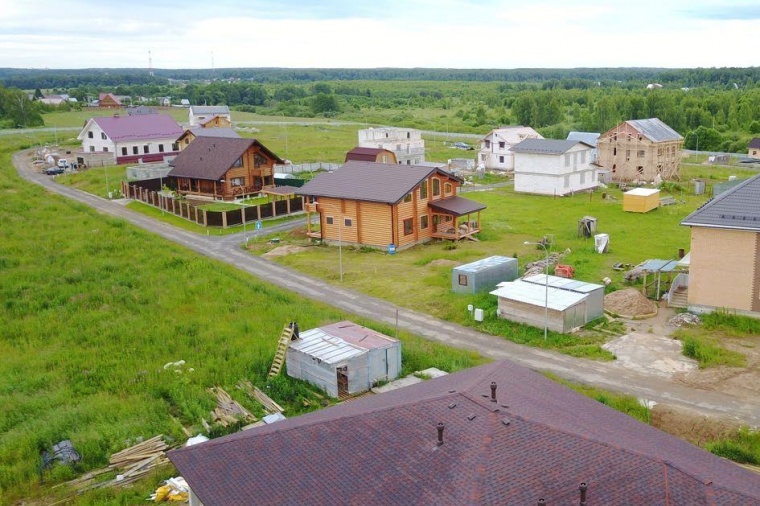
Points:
x=93, y=309
x=705, y=347
x=96, y=180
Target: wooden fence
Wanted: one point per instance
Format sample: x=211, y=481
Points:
x=147, y=191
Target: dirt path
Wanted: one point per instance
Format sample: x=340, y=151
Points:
x=603, y=375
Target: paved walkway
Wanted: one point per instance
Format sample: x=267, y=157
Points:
x=228, y=249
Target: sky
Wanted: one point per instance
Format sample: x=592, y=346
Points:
x=499, y=34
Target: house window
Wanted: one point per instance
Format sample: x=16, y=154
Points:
x=259, y=160
x=237, y=181
x=614, y=151
x=175, y=146
x=423, y=221
x=640, y=169
x=89, y=135
x=238, y=162
x=614, y=168
x=501, y=159
x=105, y=149
x=92, y=149
x=408, y=197
x=160, y=148
x=641, y=153
x=408, y=135
x=567, y=181
x=436, y=187
x=329, y=220
x=567, y=159
x=124, y=151
x=627, y=154
x=583, y=178
x=408, y=226
x=463, y=280
x=583, y=157
x=146, y=149
x=488, y=144
x=447, y=188
x=423, y=190
x=502, y=145
x=103, y=135
x=347, y=222
x=135, y=150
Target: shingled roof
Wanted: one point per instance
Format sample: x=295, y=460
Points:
x=370, y=181
x=737, y=208
x=539, y=439
x=655, y=130
x=211, y=157
x=366, y=154
x=136, y=128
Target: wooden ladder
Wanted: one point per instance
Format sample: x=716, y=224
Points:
x=282, y=349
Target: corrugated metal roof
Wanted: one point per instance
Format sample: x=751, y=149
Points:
x=737, y=208
x=656, y=265
x=573, y=285
x=210, y=109
x=589, y=138
x=655, y=130
x=531, y=293
x=485, y=263
x=321, y=345
x=140, y=127
x=546, y=146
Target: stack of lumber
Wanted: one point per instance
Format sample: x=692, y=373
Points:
x=228, y=411
x=269, y=405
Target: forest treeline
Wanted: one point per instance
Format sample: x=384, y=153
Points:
x=714, y=109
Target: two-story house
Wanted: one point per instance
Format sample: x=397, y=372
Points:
x=201, y=114
x=380, y=204
x=223, y=168
x=496, y=147
x=406, y=143
x=553, y=167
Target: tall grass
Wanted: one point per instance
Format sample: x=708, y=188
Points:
x=93, y=308
x=743, y=447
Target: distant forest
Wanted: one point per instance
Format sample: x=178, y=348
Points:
x=715, y=109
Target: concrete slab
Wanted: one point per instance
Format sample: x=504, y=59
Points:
x=399, y=383
x=650, y=354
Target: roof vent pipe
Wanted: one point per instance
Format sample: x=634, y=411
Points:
x=440, y=433
x=583, y=489
x=541, y=502
x=493, y=391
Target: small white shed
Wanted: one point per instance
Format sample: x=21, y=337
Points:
x=483, y=275
x=344, y=358
x=533, y=304
x=595, y=292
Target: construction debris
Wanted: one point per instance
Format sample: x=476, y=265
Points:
x=255, y=393
x=173, y=489
x=682, y=319
x=228, y=411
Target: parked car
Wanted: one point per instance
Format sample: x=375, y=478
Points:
x=462, y=145
x=52, y=171
x=63, y=163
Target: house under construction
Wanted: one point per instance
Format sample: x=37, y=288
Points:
x=640, y=150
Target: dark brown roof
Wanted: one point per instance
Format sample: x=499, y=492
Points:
x=458, y=206
x=366, y=154
x=211, y=157
x=540, y=440
x=754, y=143
x=370, y=181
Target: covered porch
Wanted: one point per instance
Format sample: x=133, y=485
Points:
x=456, y=218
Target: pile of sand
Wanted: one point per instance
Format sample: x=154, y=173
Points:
x=283, y=250
x=629, y=303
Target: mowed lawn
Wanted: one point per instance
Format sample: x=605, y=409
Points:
x=91, y=311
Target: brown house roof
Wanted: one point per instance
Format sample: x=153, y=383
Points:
x=367, y=154
x=754, y=143
x=456, y=206
x=211, y=157
x=370, y=181
x=539, y=440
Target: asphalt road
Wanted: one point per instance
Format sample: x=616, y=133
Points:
x=604, y=375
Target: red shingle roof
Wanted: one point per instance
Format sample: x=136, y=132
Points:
x=211, y=157
x=367, y=154
x=139, y=127
x=540, y=440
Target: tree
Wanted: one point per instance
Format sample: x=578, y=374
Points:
x=323, y=103
x=17, y=110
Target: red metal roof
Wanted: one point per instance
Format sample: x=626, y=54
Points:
x=140, y=127
x=539, y=440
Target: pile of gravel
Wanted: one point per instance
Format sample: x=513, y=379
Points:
x=682, y=319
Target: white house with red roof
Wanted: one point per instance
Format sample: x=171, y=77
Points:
x=147, y=138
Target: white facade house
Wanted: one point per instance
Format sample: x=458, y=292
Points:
x=199, y=114
x=496, y=147
x=553, y=167
x=344, y=358
x=590, y=138
x=406, y=143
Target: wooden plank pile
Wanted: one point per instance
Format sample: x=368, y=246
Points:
x=255, y=392
x=228, y=411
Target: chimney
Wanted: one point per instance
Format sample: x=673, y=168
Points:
x=493, y=391
x=583, y=489
x=440, y=433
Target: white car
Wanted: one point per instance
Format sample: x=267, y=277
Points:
x=63, y=163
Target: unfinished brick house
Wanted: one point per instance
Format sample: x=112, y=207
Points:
x=496, y=434
x=640, y=150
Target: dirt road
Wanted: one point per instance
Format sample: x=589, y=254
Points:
x=228, y=249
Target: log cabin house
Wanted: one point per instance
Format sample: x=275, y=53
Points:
x=191, y=134
x=223, y=168
x=109, y=101
x=378, y=205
